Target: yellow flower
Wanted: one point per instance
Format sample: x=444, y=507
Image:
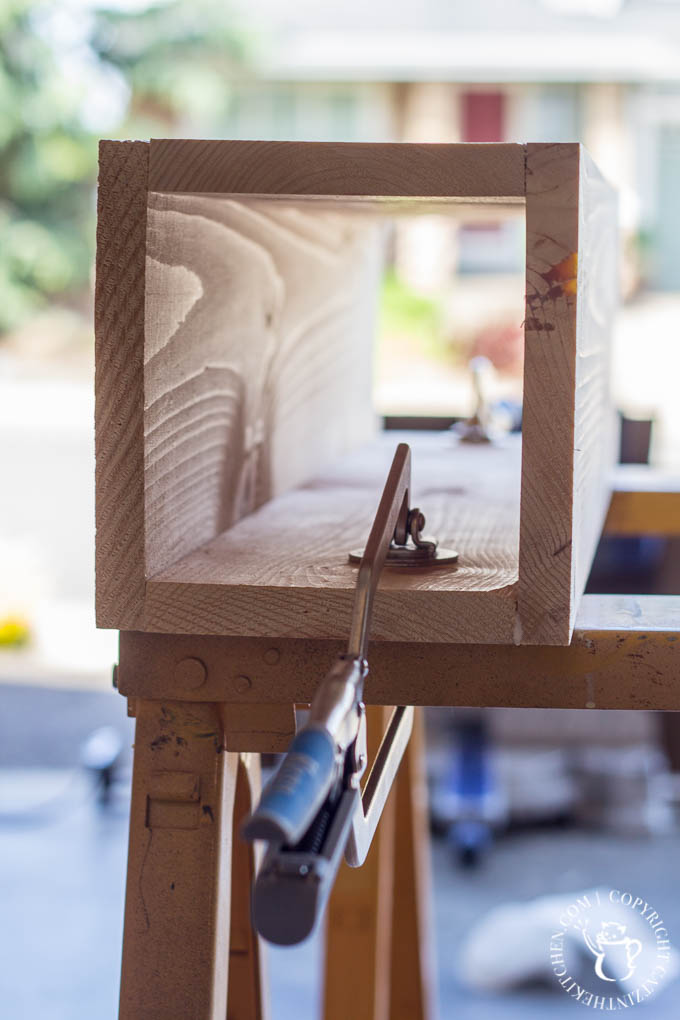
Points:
x=14, y=631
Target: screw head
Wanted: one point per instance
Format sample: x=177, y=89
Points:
x=241, y=684
x=191, y=673
x=272, y=656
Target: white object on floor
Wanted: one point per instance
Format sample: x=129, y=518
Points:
x=511, y=945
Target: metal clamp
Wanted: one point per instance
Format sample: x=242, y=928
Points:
x=405, y=545
x=312, y=809
x=378, y=785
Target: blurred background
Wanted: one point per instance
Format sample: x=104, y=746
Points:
x=562, y=801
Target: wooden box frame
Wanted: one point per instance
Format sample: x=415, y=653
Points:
x=161, y=469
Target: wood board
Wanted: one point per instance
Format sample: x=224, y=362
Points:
x=284, y=569
x=623, y=655
x=359, y=169
x=256, y=335
x=569, y=431
x=119, y=382
x=258, y=320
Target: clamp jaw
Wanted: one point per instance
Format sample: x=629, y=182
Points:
x=312, y=810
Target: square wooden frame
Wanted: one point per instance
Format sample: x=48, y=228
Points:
x=568, y=432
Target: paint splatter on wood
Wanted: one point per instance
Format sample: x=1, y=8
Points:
x=562, y=278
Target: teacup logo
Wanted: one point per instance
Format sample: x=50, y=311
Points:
x=615, y=952
x=626, y=941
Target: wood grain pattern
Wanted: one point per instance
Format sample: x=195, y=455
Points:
x=568, y=430
x=259, y=320
x=337, y=168
x=119, y=382
x=283, y=571
x=176, y=941
x=256, y=373
x=623, y=654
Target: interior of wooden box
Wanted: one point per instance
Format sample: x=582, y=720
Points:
x=263, y=461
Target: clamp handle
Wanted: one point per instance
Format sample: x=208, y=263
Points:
x=296, y=792
x=293, y=885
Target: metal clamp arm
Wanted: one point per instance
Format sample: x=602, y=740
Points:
x=378, y=785
x=311, y=810
x=391, y=520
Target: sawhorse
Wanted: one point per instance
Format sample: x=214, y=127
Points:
x=202, y=719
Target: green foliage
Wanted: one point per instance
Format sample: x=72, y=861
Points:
x=163, y=68
x=178, y=59
x=404, y=312
x=46, y=155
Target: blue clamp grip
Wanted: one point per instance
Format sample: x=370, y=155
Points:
x=294, y=794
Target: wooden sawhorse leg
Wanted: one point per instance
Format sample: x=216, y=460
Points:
x=412, y=987
x=182, y=906
x=189, y=948
x=377, y=947
x=248, y=991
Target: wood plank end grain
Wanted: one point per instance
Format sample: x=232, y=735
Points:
x=119, y=398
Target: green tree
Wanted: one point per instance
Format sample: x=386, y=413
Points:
x=168, y=67
x=179, y=60
x=47, y=162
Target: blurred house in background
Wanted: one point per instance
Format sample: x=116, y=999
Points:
x=604, y=72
